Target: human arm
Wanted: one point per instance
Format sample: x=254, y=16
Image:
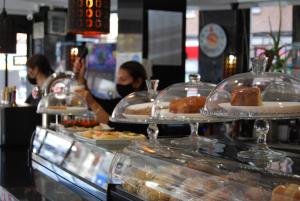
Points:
x=79, y=69
x=101, y=115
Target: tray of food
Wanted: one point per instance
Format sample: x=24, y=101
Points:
x=87, y=127
x=109, y=137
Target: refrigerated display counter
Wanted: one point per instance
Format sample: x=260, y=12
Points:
x=140, y=172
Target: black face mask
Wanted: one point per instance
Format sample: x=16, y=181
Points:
x=31, y=80
x=124, y=90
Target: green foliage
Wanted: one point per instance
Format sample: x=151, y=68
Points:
x=275, y=62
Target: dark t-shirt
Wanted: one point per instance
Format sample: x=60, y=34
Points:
x=108, y=104
x=32, y=101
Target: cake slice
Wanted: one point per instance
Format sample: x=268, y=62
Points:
x=248, y=96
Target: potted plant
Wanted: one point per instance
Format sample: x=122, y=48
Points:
x=276, y=62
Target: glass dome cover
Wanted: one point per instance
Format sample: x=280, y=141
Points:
x=182, y=102
x=65, y=103
x=256, y=95
x=136, y=107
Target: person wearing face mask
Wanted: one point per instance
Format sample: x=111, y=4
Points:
x=130, y=77
x=38, y=70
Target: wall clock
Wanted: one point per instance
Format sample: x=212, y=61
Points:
x=213, y=40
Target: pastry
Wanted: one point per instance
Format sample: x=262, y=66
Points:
x=191, y=104
x=87, y=134
x=131, y=185
x=143, y=175
x=290, y=192
x=132, y=136
x=57, y=107
x=247, y=96
x=105, y=135
x=151, y=191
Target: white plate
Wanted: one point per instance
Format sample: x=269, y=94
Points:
x=140, y=106
x=167, y=115
x=266, y=108
x=136, y=116
x=147, y=105
x=142, y=117
x=69, y=110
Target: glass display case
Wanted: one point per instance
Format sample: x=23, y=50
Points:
x=256, y=95
x=141, y=172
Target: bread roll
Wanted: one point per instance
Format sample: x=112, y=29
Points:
x=131, y=185
x=289, y=192
x=149, y=193
x=191, y=104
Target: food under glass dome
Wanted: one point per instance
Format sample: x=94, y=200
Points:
x=181, y=103
x=136, y=107
x=62, y=104
x=256, y=95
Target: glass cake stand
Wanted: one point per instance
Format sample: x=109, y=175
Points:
x=136, y=108
x=62, y=104
x=258, y=95
x=181, y=103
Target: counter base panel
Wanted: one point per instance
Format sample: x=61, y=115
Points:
x=81, y=187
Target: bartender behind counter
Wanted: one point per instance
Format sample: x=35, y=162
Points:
x=131, y=77
x=38, y=70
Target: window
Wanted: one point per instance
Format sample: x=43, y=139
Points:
x=16, y=65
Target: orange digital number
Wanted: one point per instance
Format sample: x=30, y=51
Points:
x=80, y=13
x=97, y=13
x=89, y=3
x=98, y=3
x=89, y=13
x=98, y=23
x=89, y=23
x=81, y=3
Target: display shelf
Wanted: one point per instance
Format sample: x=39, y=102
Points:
x=140, y=172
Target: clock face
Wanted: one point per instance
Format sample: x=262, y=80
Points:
x=213, y=40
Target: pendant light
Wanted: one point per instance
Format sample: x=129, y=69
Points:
x=8, y=39
x=88, y=17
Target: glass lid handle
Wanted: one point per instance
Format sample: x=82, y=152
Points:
x=152, y=86
x=259, y=64
x=194, y=78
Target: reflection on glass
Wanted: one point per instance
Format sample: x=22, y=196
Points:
x=55, y=148
x=38, y=139
x=93, y=166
